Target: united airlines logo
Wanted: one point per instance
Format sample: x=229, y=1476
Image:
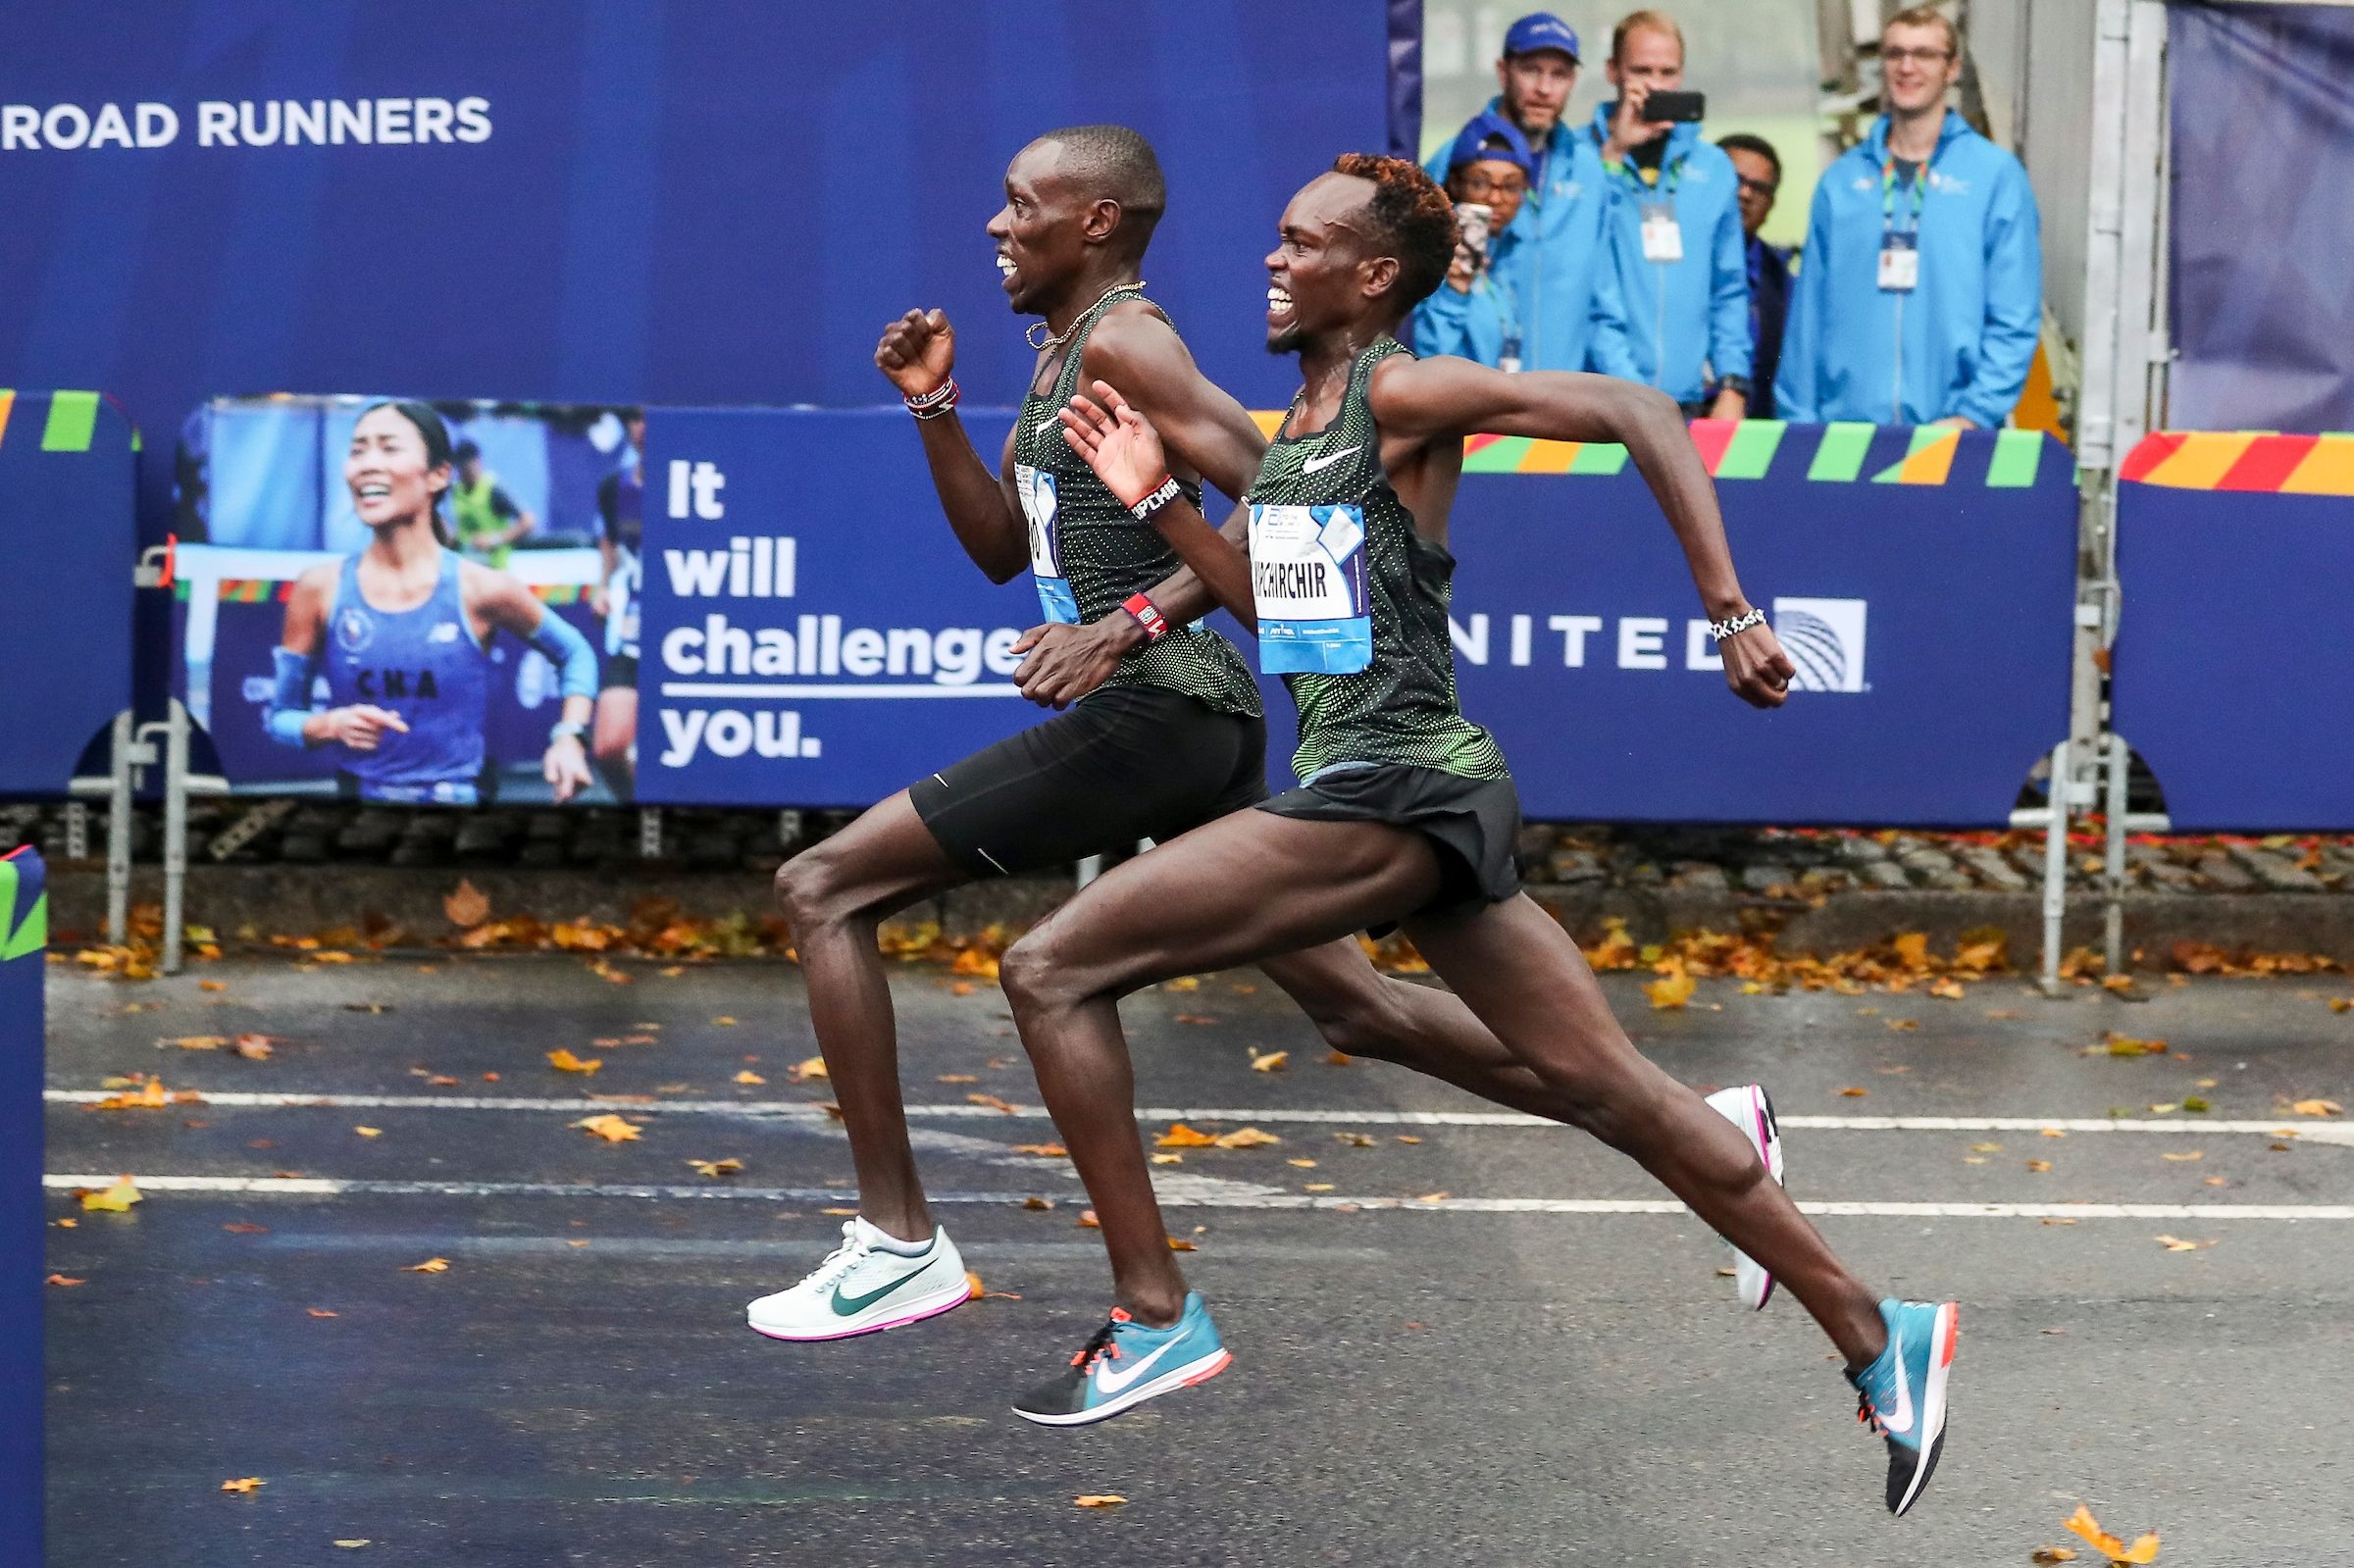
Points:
x=1825, y=638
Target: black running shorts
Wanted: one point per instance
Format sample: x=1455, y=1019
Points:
x=1124, y=763
x=1474, y=823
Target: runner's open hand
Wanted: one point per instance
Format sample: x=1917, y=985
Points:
x=1757, y=668
x=362, y=725
x=1067, y=662
x=917, y=351
x=1117, y=442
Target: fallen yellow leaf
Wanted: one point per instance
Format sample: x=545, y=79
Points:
x=1948, y=989
x=1168, y=1159
x=2318, y=1109
x=429, y=1266
x=717, y=1168
x=1855, y=1094
x=1044, y=1151
x=747, y=1076
x=2052, y=1554
x=2084, y=1526
x=563, y=1061
x=1246, y=1137
x=64, y=1282
x=1674, y=991
x=243, y=1486
x=1088, y=1220
x=467, y=907
x=724, y=1021
x=1305, y=1165
x=1911, y=950
x=2127, y=1045
x=196, y=1042
x=1102, y=1500
x=1180, y=1136
x=115, y=1199
x=609, y=1127
x=369, y=1132
x=1317, y=1186
x=1272, y=1062
x=2175, y=1244
x=2187, y=1154
x=1178, y=1243
x=221, y=985
x=357, y=1541
x=1903, y=1025
x=2039, y=1167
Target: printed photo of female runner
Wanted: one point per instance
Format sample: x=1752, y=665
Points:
x=402, y=630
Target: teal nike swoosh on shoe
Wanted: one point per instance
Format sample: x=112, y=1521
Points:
x=870, y=1283
x=1126, y=1363
x=1902, y=1395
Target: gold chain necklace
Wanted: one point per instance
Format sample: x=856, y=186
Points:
x=1058, y=340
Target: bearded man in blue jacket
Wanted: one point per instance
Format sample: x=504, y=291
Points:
x=1920, y=293
x=1557, y=265
x=1677, y=255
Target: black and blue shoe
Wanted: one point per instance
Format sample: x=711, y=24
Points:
x=1902, y=1395
x=1127, y=1363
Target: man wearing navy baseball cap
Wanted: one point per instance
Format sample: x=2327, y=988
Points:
x=1476, y=312
x=1556, y=242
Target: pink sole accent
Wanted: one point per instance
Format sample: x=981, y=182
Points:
x=872, y=1328
x=1225, y=1360
x=1953, y=1337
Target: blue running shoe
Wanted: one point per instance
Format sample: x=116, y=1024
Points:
x=1127, y=1363
x=1902, y=1394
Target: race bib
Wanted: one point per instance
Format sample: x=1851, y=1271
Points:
x=1663, y=236
x=1900, y=262
x=1308, y=578
x=1036, y=486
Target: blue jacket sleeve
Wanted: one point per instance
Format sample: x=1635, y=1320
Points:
x=1463, y=325
x=1730, y=348
x=1797, y=393
x=1608, y=351
x=2013, y=303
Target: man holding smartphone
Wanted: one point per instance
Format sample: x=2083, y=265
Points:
x=1676, y=252
x=1564, y=286
x=1475, y=313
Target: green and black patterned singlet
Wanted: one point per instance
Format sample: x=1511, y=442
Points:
x=1089, y=553
x=1386, y=697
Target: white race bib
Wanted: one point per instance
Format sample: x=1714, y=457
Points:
x=1900, y=262
x=1663, y=236
x=1307, y=580
x=1036, y=486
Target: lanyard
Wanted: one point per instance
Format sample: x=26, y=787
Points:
x=1508, y=308
x=1917, y=191
x=1671, y=173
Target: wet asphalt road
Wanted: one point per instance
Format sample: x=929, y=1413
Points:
x=1434, y=1382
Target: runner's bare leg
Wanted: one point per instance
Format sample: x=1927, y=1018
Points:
x=836, y=895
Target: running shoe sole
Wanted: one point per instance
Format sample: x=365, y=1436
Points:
x=1200, y=1371
x=1755, y=1121
x=915, y=1311
x=1945, y=1334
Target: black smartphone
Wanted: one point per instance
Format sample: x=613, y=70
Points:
x=1665, y=108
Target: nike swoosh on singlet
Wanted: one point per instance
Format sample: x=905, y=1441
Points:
x=1110, y=1382
x=845, y=1306
x=1311, y=465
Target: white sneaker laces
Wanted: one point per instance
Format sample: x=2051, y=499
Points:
x=839, y=1263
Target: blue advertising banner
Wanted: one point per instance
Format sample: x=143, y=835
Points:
x=813, y=636
x=2231, y=676
x=614, y=200
x=24, y=937
x=68, y=545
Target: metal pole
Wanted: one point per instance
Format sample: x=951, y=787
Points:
x=2113, y=879
x=176, y=834
x=2055, y=866
x=117, y=834
x=649, y=833
x=77, y=831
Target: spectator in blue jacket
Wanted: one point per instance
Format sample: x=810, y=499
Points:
x=1476, y=312
x=1920, y=289
x=1558, y=237
x=1675, y=242
x=1758, y=169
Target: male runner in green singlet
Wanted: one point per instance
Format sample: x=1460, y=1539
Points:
x=1172, y=739
x=1406, y=810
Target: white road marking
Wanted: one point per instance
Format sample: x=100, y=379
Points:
x=2308, y=1130
x=324, y=1187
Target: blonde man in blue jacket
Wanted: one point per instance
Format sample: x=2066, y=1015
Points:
x=1678, y=256
x=1919, y=295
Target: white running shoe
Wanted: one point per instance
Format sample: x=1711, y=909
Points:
x=1748, y=1109
x=863, y=1288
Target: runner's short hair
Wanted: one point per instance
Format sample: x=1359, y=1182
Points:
x=1407, y=217
x=1927, y=16
x=1114, y=163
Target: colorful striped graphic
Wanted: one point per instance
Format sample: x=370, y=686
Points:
x=70, y=422
x=2262, y=461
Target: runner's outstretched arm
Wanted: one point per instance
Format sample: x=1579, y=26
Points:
x=1447, y=399
x=918, y=352
x=1124, y=449
x=1206, y=431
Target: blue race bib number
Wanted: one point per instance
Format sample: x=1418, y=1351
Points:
x=1308, y=578
x=1036, y=486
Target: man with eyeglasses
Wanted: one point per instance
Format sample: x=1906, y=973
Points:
x=1758, y=169
x=1475, y=313
x=1919, y=292
x=1559, y=265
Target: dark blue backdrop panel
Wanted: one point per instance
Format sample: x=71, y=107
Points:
x=1935, y=617
x=677, y=202
x=23, y=914
x=2232, y=680
x=66, y=550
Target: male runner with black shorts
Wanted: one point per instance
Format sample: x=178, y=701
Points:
x=1406, y=810
x=1172, y=739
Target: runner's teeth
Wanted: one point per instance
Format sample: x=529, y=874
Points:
x=1005, y=265
x=1277, y=300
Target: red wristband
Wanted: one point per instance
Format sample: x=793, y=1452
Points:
x=1148, y=615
